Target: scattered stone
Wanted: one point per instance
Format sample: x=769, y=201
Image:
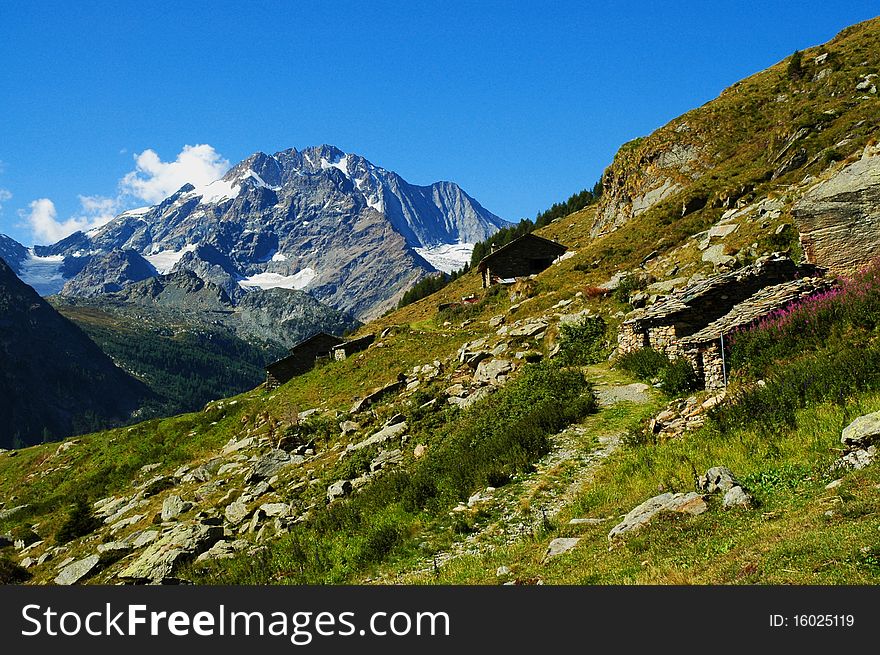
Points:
x=383, y=435
x=181, y=543
x=116, y=547
x=856, y=459
x=684, y=503
x=76, y=571
x=338, y=489
x=834, y=484
x=386, y=458
x=223, y=550
x=419, y=451
x=64, y=563
x=236, y=512
x=347, y=427
x=502, y=571
x=157, y=484
x=587, y=521
x=9, y=513
x=717, y=478
x=493, y=372
x=27, y=562
x=173, y=506
x=560, y=545
x=496, y=321
x=234, y=446
x=863, y=431
x=736, y=497
x=125, y=523
x=471, y=398
x=637, y=392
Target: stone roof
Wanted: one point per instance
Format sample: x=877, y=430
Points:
x=758, y=306
x=693, y=298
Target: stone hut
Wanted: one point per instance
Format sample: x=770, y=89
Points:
x=703, y=348
x=302, y=358
x=663, y=325
x=524, y=256
x=349, y=348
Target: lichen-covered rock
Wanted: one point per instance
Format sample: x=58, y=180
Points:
x=717, y=478
x=863, y=431
x=736, y=496
x=179, y=544
x=682, y=503
x=839, y=218
x=173, y=506
x=76, y=571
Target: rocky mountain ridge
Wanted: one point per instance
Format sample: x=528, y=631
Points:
x=352, y=234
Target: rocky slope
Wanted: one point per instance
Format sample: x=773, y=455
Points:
x=352, y=234
x=764, y=133
x=54, y=381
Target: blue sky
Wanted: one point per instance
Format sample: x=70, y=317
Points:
x=520, y=103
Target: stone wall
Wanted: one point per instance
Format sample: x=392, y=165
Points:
x=664, y=339
x=713, y=366
x=630, y=339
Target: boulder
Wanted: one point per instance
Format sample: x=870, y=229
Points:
x=236, y=512
x=76, y=571
x=560, y=545
x=736, y=496
x=717, y=478
x=144, y=538
x=863, y=431
x=338, y=489
x=270, y=464
x=181, y=543
x=275, y=509
x=682, y=503
x=493, y=372
x=529, y=329
x=173, y=506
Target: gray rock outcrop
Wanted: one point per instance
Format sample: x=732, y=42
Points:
x=682, y=503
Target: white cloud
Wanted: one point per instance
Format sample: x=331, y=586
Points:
x=154, y=180
x=42, y=217
x=4, y=196
x=44, y=223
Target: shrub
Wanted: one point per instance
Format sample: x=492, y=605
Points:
x=795, y=68
x=645, y=363
x=81, y=520
x=678, y=377
x=12, y=573
x=583, y=342
x=809, y=324
x=627, y=286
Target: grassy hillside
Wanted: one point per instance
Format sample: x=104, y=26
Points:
x=465, y=474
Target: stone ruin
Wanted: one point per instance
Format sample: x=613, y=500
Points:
x=691, y=322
